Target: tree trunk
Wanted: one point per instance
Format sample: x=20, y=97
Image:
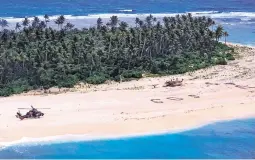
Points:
x=143, y=46
x=129, y=62
x=109, y=47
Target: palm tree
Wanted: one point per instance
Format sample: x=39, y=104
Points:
x=154, y=19
x=210, y=22
x=218, y=32
x=137, y=20
x=225, y=34
x=42, y=24
x=149, y=20
x=25, y=22
x=166, y=21
x=60, y=21
x=190, y=16
x=5, y=35
x=46, y=19
x=17, y=27
x=113, y=21
x=123, y=26
x=158, y=25
x=184, y=18
x=69, y=26
x=141, y=23
x=3, y=23
x=99, y=23
x=35, y=22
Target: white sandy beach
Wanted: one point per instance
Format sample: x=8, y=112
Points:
x=224, y=93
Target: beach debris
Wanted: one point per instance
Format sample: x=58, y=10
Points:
x=240, y=86
x=230, y=83
x=145, y=118
x=156, y=101
x=173, y=83
x=175, y=98
x=154, y=85
x=248, y=60
x=209, y=83
x=188, y=111
x=33, y=113
x=194, y=96
x=132, y=88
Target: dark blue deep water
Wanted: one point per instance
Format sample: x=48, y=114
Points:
x=230, y=139
x=237, y=16
x=21, y=8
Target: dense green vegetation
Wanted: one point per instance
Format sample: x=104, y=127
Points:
x=34, y=55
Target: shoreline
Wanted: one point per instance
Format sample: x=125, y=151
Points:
x=239, y=45
x=117, y=109
x=56, y=139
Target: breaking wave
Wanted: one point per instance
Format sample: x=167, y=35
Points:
x=125, y=10
x=243, y=16
x=27, y=141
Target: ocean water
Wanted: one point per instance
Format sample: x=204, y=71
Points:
x=21, y=8
x=229, y=139
x=237, y=16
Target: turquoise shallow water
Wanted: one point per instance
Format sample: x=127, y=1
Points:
x=231, y=139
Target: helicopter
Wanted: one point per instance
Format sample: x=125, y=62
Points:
x=33, y=113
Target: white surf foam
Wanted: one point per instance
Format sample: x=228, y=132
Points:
x=125, y=10
x=27, y=141
x=229, y=14
x=204, y=12
x=213, y=14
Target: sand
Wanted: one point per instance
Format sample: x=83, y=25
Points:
x=206, y=96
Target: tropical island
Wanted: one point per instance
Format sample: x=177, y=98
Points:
x=36, y=56
x=98, y=66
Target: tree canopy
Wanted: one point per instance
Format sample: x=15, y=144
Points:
x=36, y=55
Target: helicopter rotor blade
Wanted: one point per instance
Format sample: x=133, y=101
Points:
x=36, y=108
